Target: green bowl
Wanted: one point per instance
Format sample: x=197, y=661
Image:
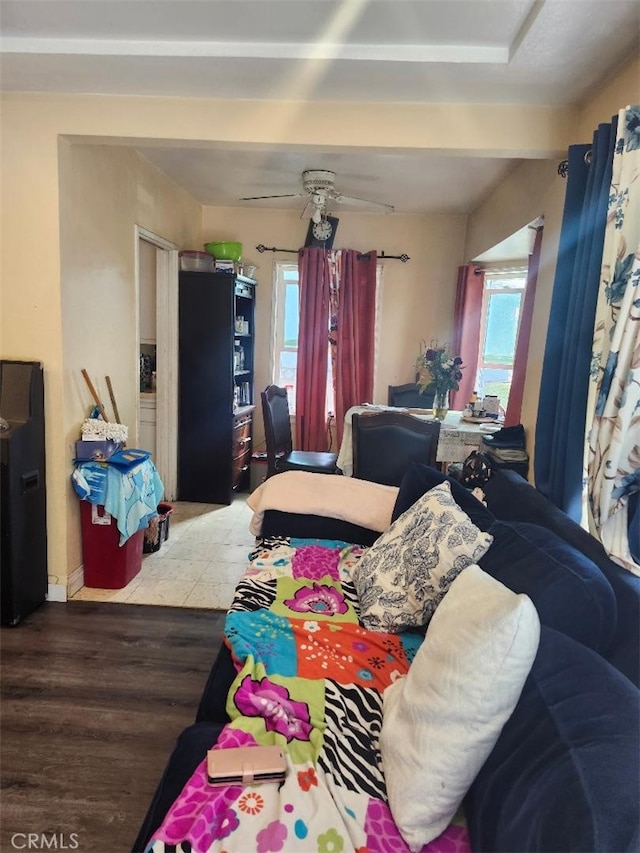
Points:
x=224, y=251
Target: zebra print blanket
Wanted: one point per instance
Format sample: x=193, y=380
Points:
x=310, y=678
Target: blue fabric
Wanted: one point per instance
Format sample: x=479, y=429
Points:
x=511, y=498
x=568, y=590
x=565, y=772
x=420, y=478
x=567, y=360
x=90, y=481
x=132, y=496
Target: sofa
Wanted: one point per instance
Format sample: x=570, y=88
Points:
x=560, y=769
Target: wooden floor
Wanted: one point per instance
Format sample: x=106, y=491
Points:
x=93, y=698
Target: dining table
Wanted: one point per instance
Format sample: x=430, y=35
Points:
x=458, y=437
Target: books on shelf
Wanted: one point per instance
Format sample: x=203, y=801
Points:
x=242, y=394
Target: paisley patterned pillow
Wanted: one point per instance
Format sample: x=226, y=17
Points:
x=404, y=575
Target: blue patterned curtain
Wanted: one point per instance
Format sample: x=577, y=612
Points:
x=561, y=424
x=614, y=441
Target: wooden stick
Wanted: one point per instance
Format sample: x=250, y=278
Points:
x=96, y=399
x=113, y=399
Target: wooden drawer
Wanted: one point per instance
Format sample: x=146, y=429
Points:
x=241, y=449
x=240, y=466
x=241, y=434
x=241, y=437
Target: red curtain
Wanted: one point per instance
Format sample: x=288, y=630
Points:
x=514, y=406
x=313, y=335
x=355, y=333
x=466, y=330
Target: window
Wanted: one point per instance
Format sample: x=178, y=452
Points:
x=286, y=306
x=501, y=307
x=286, y=320
x=287, y=317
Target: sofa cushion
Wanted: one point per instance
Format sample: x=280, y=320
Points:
x=419, y=478
x=442, y=720
x=406, y=572
x=569, y=591
x=511, y=498
x=565, y=771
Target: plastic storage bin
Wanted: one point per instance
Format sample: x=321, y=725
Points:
x=158, y=530
x=107, y=565
x=192, y=261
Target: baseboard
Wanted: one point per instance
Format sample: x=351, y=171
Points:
x=56, y=592
x=75, y=581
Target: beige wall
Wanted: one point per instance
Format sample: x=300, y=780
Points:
x=104, y=193
x=416, y=299
x=621, y=89
x=533, y=189
x=44, y=282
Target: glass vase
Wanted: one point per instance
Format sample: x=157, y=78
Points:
x=441, y=404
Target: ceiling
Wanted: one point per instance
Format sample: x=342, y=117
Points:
x=537, y=52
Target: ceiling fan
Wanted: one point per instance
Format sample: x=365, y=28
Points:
x=319, y=186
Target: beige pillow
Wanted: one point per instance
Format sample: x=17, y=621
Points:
x=443, y=719
x=404, y=575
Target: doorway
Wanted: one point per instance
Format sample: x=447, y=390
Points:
x=157, y=289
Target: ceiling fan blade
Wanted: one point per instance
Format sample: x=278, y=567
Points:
x=259, y=197
x=363, y=202
x=305, y=209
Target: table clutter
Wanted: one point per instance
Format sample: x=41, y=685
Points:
x=456, y=441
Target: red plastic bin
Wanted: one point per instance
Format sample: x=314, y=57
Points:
x=106, y=564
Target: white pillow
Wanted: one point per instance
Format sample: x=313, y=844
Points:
x=404, y=575
x=443, y=719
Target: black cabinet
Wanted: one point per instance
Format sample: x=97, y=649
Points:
x=23, y=503
x=215, y=385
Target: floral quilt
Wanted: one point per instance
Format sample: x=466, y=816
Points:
x=310, y=679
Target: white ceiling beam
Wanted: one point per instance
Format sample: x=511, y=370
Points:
x=427, y=53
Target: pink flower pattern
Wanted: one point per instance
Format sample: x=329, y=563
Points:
x=272, y=837
x=383, y=834
x=314, y=562
x=280, y=712
x=320, y=599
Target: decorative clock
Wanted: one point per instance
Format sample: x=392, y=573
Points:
x=322, y=234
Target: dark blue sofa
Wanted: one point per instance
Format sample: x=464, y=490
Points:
x=564, y=774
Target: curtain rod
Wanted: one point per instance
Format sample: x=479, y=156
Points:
x=381, y=255
x=480, y=270
x=563, y=165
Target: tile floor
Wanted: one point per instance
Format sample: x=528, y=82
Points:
x=198, y=566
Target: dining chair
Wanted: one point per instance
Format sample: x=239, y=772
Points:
x=386, y=443
x=409, y=396
x=277, y=431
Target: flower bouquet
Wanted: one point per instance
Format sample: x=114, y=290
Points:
x=440, y=371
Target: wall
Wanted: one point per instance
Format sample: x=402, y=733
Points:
x=34, y=296
x=104, y=192
x=416, y=299
x=534, y=188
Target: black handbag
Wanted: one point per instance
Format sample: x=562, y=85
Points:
x=477, y=468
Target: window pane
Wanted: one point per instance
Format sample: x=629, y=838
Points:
x=502, y=302
x=291, y=315
x=495, y=381
x=502, y=328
